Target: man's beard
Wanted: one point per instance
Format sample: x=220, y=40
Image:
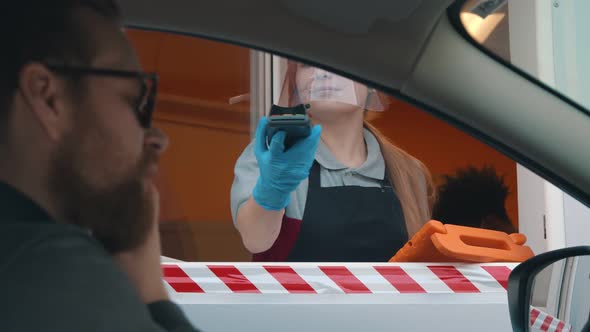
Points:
x=118, y=216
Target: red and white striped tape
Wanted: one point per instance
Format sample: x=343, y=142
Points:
x=541, y=321
x=413, y=278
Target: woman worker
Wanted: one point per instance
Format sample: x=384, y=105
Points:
x=344, y=193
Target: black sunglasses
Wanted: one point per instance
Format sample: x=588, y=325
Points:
x=146, y=102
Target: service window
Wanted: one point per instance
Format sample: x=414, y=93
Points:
x=211, y=98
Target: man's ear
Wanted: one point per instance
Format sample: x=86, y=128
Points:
x=44, y=94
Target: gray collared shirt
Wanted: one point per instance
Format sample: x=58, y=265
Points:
x=332, y=174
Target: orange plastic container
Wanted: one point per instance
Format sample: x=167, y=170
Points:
x=436, y=242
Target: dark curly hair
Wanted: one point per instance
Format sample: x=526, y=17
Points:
x=470, y=196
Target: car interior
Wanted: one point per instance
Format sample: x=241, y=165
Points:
x=466, y=84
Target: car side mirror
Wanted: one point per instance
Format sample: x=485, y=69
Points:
x=551, y=292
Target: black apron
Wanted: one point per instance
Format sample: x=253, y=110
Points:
x=349, y=223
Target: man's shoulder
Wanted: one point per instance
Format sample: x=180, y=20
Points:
x=57, y=252
x=59, y=273
x=50, y=247
x=18, y=241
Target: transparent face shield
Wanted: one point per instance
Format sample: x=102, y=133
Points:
x=303, y=84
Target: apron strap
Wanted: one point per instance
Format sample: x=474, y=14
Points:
x=314, y=179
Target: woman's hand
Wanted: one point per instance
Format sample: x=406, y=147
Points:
x=281, y=171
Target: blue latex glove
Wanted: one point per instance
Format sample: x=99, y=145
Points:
x=281, y=171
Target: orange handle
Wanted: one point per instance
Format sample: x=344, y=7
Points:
x=436, y=242
x=481, y=245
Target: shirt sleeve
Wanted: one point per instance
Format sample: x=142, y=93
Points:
x=67, y=282
x=246, y=174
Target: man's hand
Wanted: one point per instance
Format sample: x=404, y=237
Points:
x=142, y=264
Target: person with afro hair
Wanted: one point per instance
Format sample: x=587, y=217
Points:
x=475, y=198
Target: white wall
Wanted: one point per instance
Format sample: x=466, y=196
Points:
x=549, y=39
x=571, y=40
x=260, y=87
x=540, y=204
x=577, y=226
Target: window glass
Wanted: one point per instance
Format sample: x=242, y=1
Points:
x=203, y=107
x=211, y=98
x=547, y=39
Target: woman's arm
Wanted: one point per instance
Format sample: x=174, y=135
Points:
x=265, y=177
x=259, y=227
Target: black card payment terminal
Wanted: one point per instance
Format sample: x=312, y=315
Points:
x=293, y=120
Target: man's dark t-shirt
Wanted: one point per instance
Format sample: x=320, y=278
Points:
x=56, y=277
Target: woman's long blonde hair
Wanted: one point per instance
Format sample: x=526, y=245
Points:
x=411, y=179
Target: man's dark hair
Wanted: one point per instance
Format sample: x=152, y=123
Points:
x=44, y=30
x=470, y=196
